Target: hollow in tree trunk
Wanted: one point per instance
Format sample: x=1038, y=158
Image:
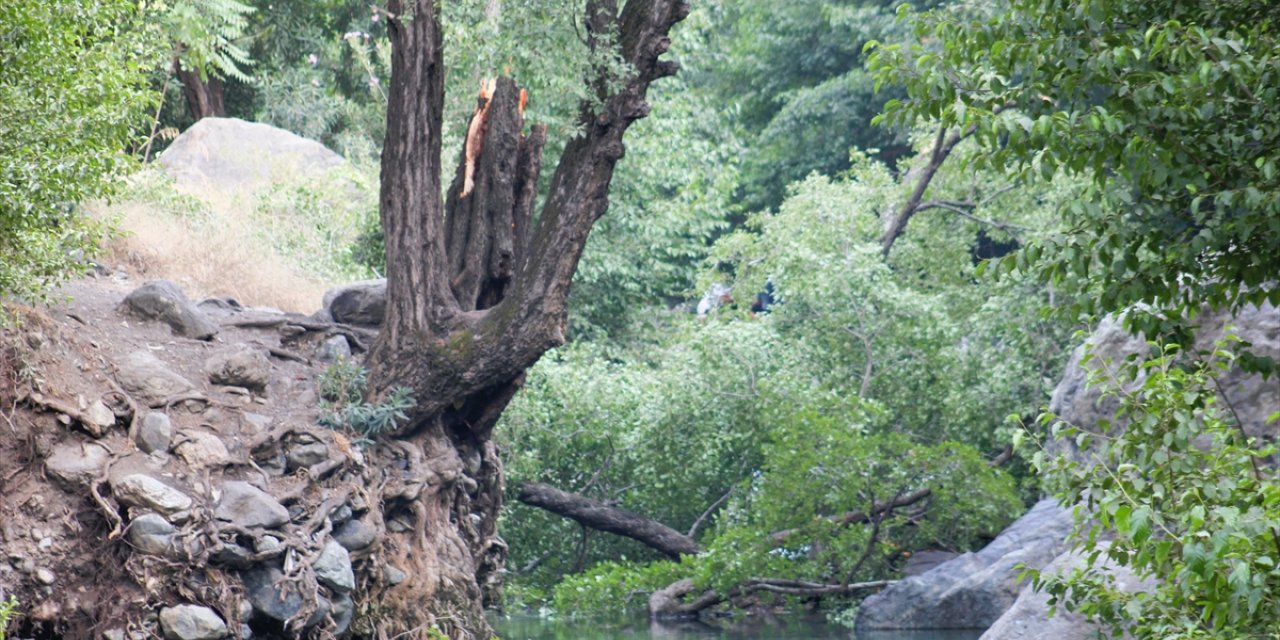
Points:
x=477, y=292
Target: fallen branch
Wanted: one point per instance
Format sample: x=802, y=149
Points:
x=597, y=515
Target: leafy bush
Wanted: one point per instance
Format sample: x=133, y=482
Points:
x=72, y=90
x=1180, y=498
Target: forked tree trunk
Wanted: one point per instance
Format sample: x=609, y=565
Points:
x=204, y=98
x=477, y=292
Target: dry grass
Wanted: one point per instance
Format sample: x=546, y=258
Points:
x=210, y=247
x=210, y=261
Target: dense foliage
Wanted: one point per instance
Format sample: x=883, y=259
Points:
x=1167, y=110
x=863, y=382
x=72, y=96
x=1168, y=107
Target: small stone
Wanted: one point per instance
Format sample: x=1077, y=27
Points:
x=343, y=612
x=201, y=449
x=45, y=576
x=102, y=417
x=333, y=568
x=355, y=535
x=113, y=634
x=334, y=348
x=265, y=544
x=141, y=490
x=393, y=575
x=249, y=506
x=151, y=534
x=240, y=366
x=341, y=514
x=154, y=432
x=191, y=622
x=74, y=465
x=256, y=422
x=37, y=533
x=232, y=555
x=304, y=455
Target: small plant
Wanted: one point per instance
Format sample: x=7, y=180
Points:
x=342, y=389
x=7, y=609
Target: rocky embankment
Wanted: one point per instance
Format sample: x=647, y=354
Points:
x=164, y=456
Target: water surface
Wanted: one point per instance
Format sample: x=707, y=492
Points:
x=526, y=627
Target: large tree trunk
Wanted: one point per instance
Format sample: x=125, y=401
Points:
x=477, y=292
x=204, y=97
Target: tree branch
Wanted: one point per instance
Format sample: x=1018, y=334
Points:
x=597, y=515
x=697, y=524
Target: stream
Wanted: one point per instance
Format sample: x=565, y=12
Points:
x=528, y=627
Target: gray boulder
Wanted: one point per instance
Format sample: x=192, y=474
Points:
x=141, y=490
x=973, y=590
x=75, y=464
x=162, y=300
x=359, y=303
x=333, y=568
x=149, y=380
x=1028, y=618
x=191, y=622
x=154, y=432
x=240, y=366
x=249, y=506
x=1252, y=397
x=228, y=155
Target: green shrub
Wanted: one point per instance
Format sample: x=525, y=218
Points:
x=342, y=389
x=1178, y=497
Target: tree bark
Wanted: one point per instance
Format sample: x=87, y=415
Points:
x=602, y=517
x=477, y=292
x=204, y=97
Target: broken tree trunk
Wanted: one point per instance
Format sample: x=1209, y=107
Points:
x=602, y=517
x=477, y=292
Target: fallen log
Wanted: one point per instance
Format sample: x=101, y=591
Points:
x=597, y=515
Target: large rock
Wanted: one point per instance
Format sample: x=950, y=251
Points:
x=228, y=155
x=164, y=301
x=149, y=380
x=248, y=506
x=1253, y=398
x=359, y=303
x=141, y=490
x=1028, y=618
x=191, y=622
x=75, y=464
x=240, y=366
x=973, y=590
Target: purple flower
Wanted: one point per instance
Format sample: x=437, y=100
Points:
x=313, y=60
x=375, y=17
x=373, y=81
